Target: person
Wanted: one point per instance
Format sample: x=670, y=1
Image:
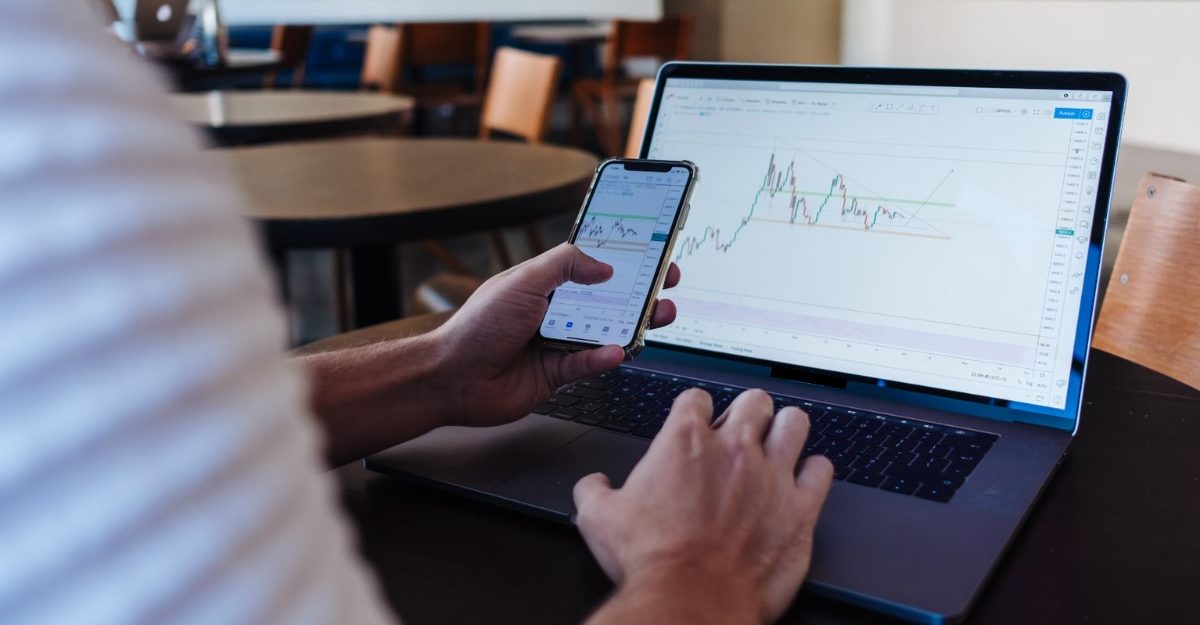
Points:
x=160, y=459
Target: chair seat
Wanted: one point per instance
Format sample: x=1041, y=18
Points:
x=445, y=291
x=433, y=95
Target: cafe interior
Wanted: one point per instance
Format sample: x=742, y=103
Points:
x=396, y=155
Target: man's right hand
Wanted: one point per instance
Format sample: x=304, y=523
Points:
x=714, y=524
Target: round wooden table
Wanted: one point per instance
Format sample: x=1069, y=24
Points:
x=244, y=117
x=369, y=194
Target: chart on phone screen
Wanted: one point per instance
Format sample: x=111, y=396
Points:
x=627, y=225
x=924, y=236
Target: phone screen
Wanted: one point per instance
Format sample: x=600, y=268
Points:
x=627, y=223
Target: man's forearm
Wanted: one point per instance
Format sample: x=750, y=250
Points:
x=677, y=597
x=372, y=397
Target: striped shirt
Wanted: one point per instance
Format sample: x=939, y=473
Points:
x=158, y=461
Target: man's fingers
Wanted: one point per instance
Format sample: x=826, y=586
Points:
x=749, y=416
x=589, y=489
x=785, y=440
x=664, y=313
x=814, y=480
x=564, y=263
x=692, y=407
x=576, y=365
x=673, y=276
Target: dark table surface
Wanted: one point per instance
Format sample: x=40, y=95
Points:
x=1113, y=540
x=368, y=194
x=256, y=117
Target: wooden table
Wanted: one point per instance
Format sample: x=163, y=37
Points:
x=246, y=117
x=238, y=63
x=369, y=194
x=1113, y=539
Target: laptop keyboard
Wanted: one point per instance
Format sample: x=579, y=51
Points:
x=900, y=455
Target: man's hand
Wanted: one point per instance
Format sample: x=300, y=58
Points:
x=499, y=369
x=713, y=525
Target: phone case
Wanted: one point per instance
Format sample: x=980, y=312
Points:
x=639, y=340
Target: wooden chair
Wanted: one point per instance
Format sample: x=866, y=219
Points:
x=638, y=119
x=381, y=59
x=598, y=99
x=398, y=57
x=520, y=95
x=1150, y=313
x=291, y=44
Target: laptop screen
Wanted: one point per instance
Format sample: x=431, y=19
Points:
x=929, y=235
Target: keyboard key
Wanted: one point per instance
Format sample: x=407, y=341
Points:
x=589, y=406
x=868, y=438
x=917, y=474
x=929, y=436
x=901, y=432
x=566, y=413
x=901, y=457
x=590, y=419
x=866, y=478
x=840, y=431
x=639, y=416
x=899, y=485
x=544, y=408
x=619, y=425
x=907, y=444
x=966, y=458
x=597, y=383
x=649, y=430
x=583, y=392
x=840, y=471
x=937, y=451
x=936, y=465
x=863, y=424
x=872, y=465
x=869, y=451
x=564, y=400
x=934, y=493
x=613, y=411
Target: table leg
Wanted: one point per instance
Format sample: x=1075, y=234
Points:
x=375, y=283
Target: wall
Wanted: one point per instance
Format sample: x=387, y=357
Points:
x=767, y=31
x=1153, y=42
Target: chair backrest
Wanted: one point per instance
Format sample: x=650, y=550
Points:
x=637, y=120
x=667, y=40
x=520, y=94
x=452, y=43
x=1150, y=313
x=381, y=60
x=291, y=42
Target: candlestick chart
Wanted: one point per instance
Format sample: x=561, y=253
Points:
x=838, y=205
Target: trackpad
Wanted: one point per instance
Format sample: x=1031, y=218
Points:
x=548, y=484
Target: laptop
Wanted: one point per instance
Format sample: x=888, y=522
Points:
x=909, y=255
x=160, y=21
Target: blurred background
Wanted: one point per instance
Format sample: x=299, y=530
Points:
x=602, y=50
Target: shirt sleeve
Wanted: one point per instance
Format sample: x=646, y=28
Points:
x=158, y=462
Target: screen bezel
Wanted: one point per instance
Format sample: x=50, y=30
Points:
x=630, y=164
x=1066, y=418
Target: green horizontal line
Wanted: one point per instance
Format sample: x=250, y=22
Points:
x=877, y=199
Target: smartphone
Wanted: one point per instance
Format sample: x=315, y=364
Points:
x=630, y=219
